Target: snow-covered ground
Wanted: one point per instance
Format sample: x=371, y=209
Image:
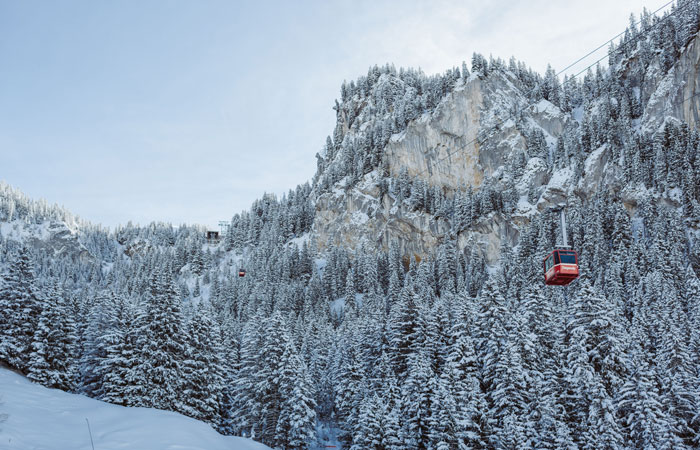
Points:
x=43, y=419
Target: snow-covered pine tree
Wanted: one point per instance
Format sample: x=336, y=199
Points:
x=419, y=390
x=161, y=350
x=20, y=309
x=118, y=340
x=295, y=428
x=202, y=369
x=52, y=361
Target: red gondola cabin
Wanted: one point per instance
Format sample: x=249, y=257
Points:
x=241, y=272
x=560, y=267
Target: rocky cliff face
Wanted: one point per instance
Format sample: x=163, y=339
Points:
x=457, y=146
x=56, y=238
x=348, y=218
x=443, y=149
x=676, y=94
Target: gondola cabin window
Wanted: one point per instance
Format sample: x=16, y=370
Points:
x=549, y=263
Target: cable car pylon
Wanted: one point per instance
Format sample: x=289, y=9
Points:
x=561, y=265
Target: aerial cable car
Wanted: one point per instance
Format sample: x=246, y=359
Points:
x=561, y=265
x=241, y=273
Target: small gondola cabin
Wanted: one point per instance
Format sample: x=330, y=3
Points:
x=212, y=236
x=241, y=272
x=560, y=267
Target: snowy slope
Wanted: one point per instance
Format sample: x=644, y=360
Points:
x=42, y=419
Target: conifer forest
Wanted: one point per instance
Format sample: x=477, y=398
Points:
x=401, y=341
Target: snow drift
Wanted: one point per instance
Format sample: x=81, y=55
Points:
x=44, y=419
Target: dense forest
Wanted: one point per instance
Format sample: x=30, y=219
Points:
x=447, y=352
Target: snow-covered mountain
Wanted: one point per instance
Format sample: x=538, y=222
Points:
x=396, y=301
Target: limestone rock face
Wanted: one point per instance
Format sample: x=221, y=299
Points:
x=594, y=169
x=56, y=238
x=558, y=189
x=137, y=247
x=536, y=174
x=466, y=139
x=63, y=240
x=488, y=234
x=677, y=94
x=357, y=216
x=441, y=149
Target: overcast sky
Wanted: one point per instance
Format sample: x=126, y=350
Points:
x=187, y=111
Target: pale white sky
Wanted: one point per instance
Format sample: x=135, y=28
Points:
x=186, y=111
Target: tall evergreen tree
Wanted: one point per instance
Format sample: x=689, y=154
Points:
x=20, y=309
x=296, y=424
x=202, y=369
x=52, y=361
x=158, y=375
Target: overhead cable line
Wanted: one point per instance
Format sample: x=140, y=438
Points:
x=662, y=20
x=607, y=42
